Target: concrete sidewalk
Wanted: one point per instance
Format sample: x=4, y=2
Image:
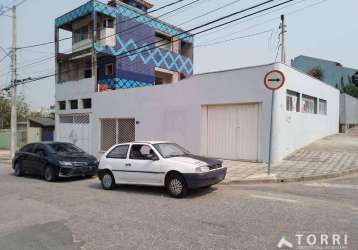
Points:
x=330, y=157
x=4, y=155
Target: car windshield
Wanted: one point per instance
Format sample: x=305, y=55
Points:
x=65, y=148
x=168, y=150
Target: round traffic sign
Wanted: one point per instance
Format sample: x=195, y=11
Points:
x=274, y=79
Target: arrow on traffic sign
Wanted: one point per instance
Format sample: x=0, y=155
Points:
x=274, y=80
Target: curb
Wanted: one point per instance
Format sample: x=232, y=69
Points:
x=293, y=179
x=5, y=161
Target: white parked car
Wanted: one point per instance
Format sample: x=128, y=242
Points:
x=158, y=164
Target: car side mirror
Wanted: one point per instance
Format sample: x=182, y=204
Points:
x=152, y=157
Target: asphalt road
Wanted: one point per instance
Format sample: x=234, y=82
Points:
x=78, y=214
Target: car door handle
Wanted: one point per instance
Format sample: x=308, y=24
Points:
x=128, y=165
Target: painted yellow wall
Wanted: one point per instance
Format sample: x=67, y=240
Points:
x=33, y=135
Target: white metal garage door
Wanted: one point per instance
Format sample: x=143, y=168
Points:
x=75, y=128
x=231, y=131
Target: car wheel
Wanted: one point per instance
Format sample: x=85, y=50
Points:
x=18, y=170
x=176, y=186
x=107, y=181
x=50, y=174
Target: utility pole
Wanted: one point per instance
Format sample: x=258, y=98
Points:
x=283, y=42
x=94, y=52
x=13, y=86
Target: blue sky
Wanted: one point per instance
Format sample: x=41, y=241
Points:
x=327, y=30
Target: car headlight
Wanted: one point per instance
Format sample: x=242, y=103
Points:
x=202, y=169
x=66, y=163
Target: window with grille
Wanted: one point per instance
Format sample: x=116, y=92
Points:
x=309, y=104
x=77, y=118
x=66, y=118
x=293, y=101
x=115, y=131
x=81, y=119
x=322, y=107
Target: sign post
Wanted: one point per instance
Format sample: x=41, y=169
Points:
x=273, y=81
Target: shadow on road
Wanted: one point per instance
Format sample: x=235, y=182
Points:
x=60, y=180
x=155, y=191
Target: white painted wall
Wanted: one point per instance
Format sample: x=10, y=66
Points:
x=173, y=112
x=295, y=130
x=348, y=110
x=74, y=90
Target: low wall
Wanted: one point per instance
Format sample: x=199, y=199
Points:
x=5, y=138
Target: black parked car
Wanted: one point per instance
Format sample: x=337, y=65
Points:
x=53, y=160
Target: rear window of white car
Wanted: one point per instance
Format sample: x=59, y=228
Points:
x=119, y=152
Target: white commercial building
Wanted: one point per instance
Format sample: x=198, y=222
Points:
x=221, y=114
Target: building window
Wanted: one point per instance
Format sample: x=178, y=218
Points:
x=292, y=101
x=88, y=73
x=80, y=34
x=309, y=104
x=108, y=23
x=115, y=131
x=162, y=41
x=87, y=103
x=163, y=77
x=186, y=49
x=72, y=119
x=322, y=107
x=109, y=69
x=74, y=104
x=62, y=105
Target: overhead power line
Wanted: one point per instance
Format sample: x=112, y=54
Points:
x=127, y=54
x=9, y=6
x=209, y=12
x=233, y=39
x=209, y=23
x=7, y=55
x=179, y=34
x=42, y=60
x=120, y=32
x=287, y=13
x=120, y=22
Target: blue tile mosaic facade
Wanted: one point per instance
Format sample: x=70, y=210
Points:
x=75, y=14
x=134, y=57
x=120, y=83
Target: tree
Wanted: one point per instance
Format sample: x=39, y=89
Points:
x=349, y=87
x=316, y=72
x=23, y=110
x=351, y=90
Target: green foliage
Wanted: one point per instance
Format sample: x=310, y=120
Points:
x=23, y=110
x=351, y=90
x=316, y=72
x=348, y=87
